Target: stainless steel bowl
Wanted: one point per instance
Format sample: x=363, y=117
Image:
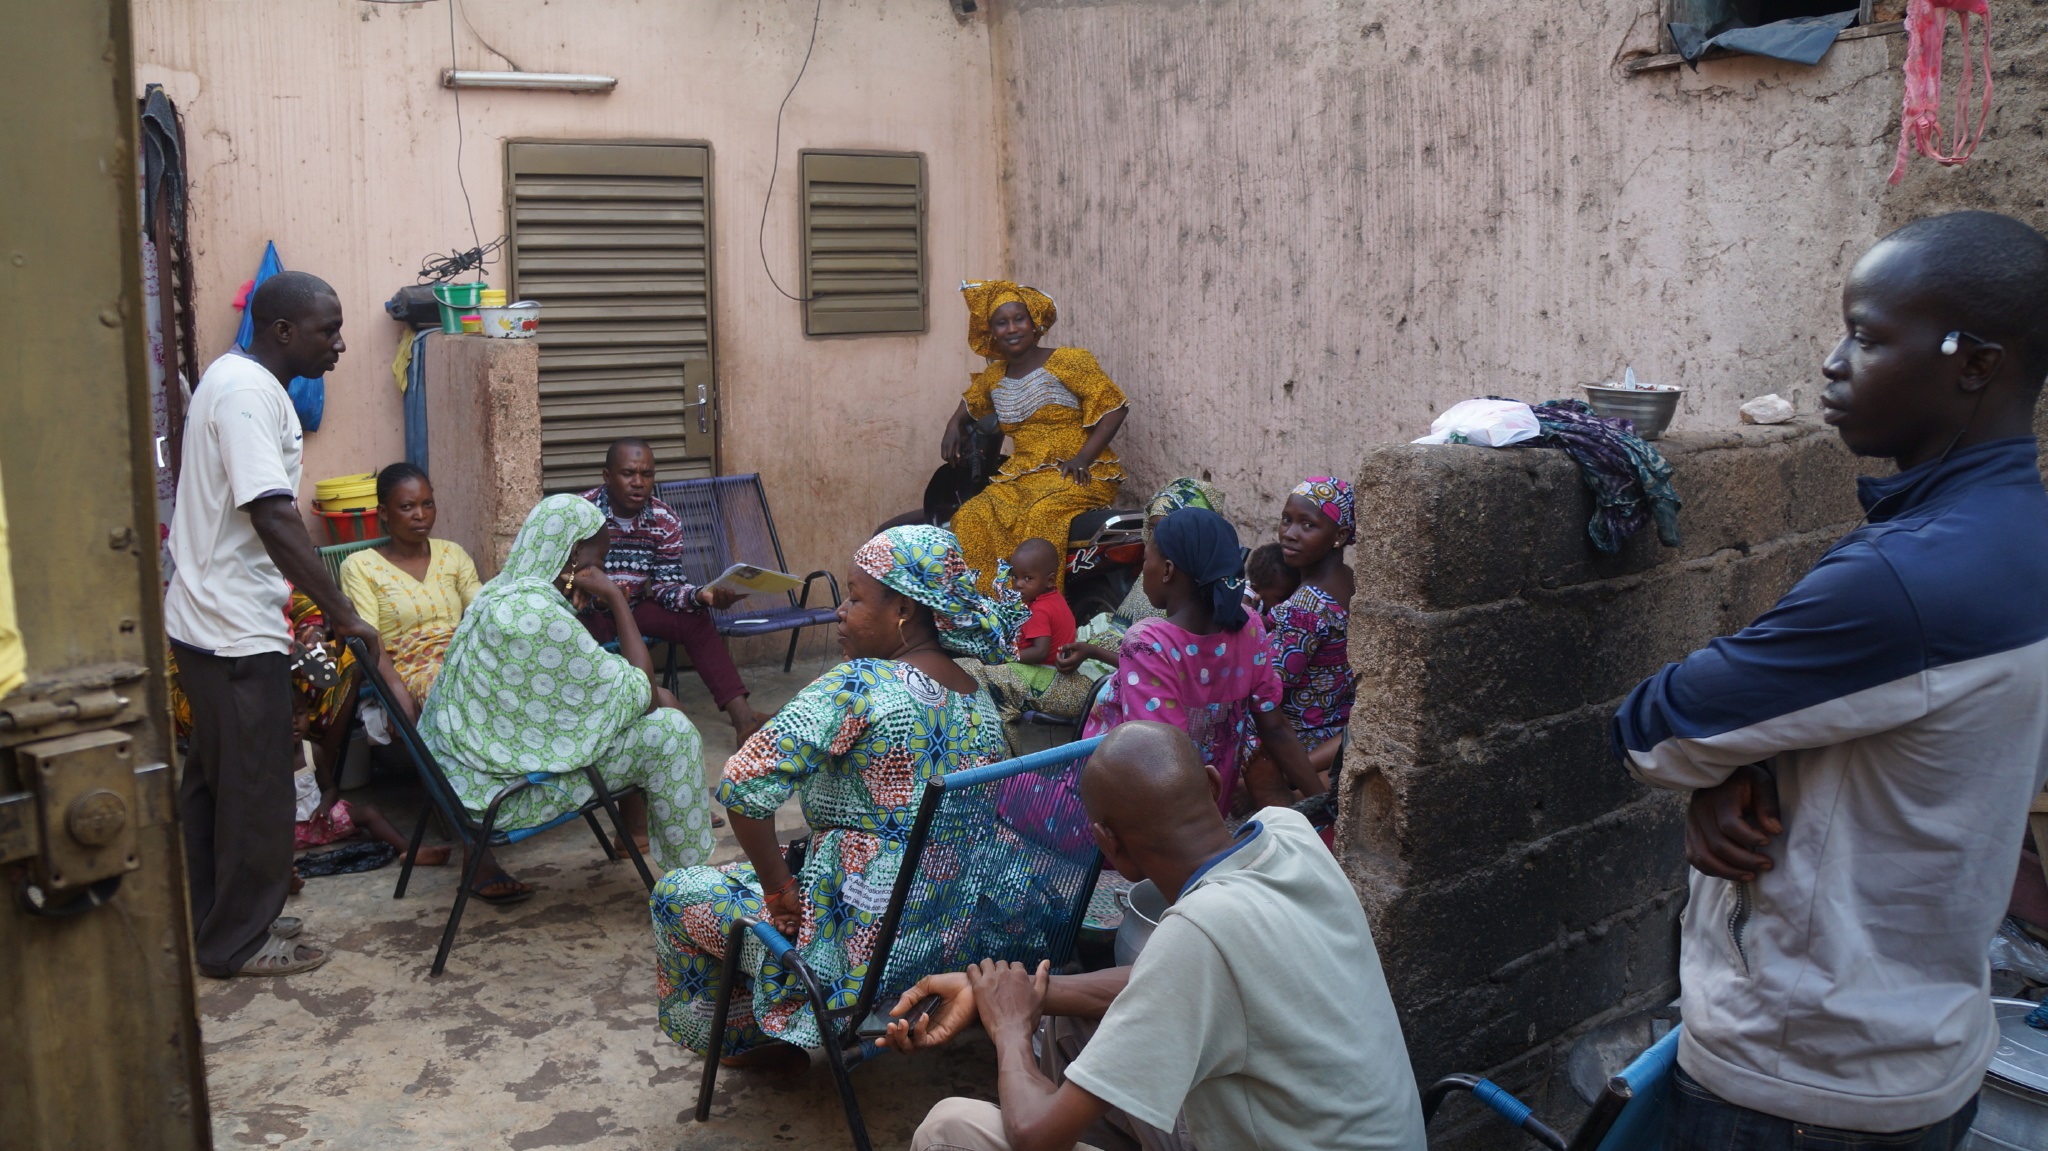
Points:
x=1650, y=409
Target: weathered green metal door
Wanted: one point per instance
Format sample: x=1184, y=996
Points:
x=99, y=1044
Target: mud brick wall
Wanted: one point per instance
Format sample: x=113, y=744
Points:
x=483, y=441
x=1522, y=887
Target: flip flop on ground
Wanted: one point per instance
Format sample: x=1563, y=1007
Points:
x=502, y=889
x=283, y=957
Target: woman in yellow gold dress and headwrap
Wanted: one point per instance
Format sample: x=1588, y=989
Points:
x=1060, y=411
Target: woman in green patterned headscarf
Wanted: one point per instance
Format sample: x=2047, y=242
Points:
x=524, y=689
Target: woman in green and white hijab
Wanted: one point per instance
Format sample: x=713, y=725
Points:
x=524, y=689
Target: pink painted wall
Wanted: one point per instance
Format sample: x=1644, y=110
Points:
x=322, y=125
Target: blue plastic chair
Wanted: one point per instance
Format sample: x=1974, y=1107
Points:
x=726, y=521
x=1016, y=866
x=1628, y=1116
x=476, y=834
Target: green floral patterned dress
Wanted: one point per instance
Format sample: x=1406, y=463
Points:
x=855, y=747
x=526, y=693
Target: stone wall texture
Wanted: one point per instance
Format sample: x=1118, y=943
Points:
x=483, y=441
x=1522, y=886
x=1293, y=228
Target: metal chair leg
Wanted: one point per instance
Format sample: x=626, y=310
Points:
x=822, y=1013
x=729, y=975
x=603, y=840
x=611, y=808
x=789, y=660
x=470, y=867
x=419, y=835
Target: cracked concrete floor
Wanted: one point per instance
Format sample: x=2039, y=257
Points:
x=540, y=1034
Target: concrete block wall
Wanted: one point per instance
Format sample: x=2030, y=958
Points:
x=1522, y=886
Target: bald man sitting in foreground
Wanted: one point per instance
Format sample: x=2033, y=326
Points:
x=1258, y=1005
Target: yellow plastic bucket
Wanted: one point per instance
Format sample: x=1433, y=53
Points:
x=346, y=493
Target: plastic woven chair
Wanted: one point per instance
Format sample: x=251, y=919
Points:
x=726, y=521
x=477, y=834
x=1628, y=1116
x=333, y=554
x=999, y=864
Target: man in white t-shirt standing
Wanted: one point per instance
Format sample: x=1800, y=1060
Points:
x=235, y=539
x=1257, y=1013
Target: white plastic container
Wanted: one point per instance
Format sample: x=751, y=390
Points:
x=520, y=321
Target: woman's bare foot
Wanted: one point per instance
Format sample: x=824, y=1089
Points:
x=639, y=841
x=774, y=1057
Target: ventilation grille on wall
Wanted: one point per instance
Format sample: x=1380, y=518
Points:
x=863, y=238
x=611, y=239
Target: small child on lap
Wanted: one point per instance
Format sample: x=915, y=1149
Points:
x=1268, y=581
x=1030, y=682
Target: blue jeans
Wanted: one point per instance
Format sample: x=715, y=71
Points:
x=1703, y=1121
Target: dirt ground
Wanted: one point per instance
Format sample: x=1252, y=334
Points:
x=540, y=1034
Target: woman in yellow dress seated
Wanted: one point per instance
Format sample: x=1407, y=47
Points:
x=1060, y=411
x=412, y=586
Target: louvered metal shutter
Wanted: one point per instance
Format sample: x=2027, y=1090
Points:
x=612, y=240
x=863, y=237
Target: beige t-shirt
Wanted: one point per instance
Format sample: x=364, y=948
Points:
x=1260, y=1006
x=242, y=442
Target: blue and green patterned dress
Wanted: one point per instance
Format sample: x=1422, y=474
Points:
x=855, y=747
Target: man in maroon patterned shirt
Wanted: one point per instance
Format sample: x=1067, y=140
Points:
x=646, y=561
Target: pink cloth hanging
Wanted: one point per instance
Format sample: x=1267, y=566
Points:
x=1920, y=126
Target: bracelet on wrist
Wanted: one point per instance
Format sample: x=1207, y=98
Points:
x=786, y=885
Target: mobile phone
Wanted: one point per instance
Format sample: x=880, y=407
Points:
x=877, y=1024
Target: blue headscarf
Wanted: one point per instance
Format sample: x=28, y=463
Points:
x=1204, y=545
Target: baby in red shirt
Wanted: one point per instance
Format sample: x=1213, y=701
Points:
x=1031, y=682
x=1034, y=576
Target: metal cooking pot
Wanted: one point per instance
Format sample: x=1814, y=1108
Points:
x=1143, y=908
x=2012, y=1111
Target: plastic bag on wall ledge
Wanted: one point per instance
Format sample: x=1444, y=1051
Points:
x=1488, y=423
x=1920, y=122
x=2012, y=949
x=1770, y=409
x=1797, y=40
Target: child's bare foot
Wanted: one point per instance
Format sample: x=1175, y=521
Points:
x=432, y=856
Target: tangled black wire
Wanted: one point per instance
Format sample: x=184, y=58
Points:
x=439, y=269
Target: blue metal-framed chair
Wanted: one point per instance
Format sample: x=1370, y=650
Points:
x=478, y=834
x=726, y=521
x=996, y=866
x=1628, y=1115
x=333, y=554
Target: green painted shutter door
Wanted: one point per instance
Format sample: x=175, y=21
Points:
x=863, y=231
x=612, y=240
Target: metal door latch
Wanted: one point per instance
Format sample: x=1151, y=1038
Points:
x=83, y=812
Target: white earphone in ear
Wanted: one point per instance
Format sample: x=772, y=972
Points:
x=1949, y=343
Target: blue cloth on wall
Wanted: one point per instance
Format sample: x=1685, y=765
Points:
x=309, y=396
x=416, y=403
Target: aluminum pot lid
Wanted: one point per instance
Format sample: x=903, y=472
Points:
x=2022, y=1055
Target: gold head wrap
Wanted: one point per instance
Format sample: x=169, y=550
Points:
x=985, y=297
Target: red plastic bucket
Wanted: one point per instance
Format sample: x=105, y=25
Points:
x=351, y=526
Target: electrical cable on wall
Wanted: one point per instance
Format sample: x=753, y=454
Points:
x=761, y=235
x=477, y=253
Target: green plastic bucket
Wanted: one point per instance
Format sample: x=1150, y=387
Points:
x=456, y=300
